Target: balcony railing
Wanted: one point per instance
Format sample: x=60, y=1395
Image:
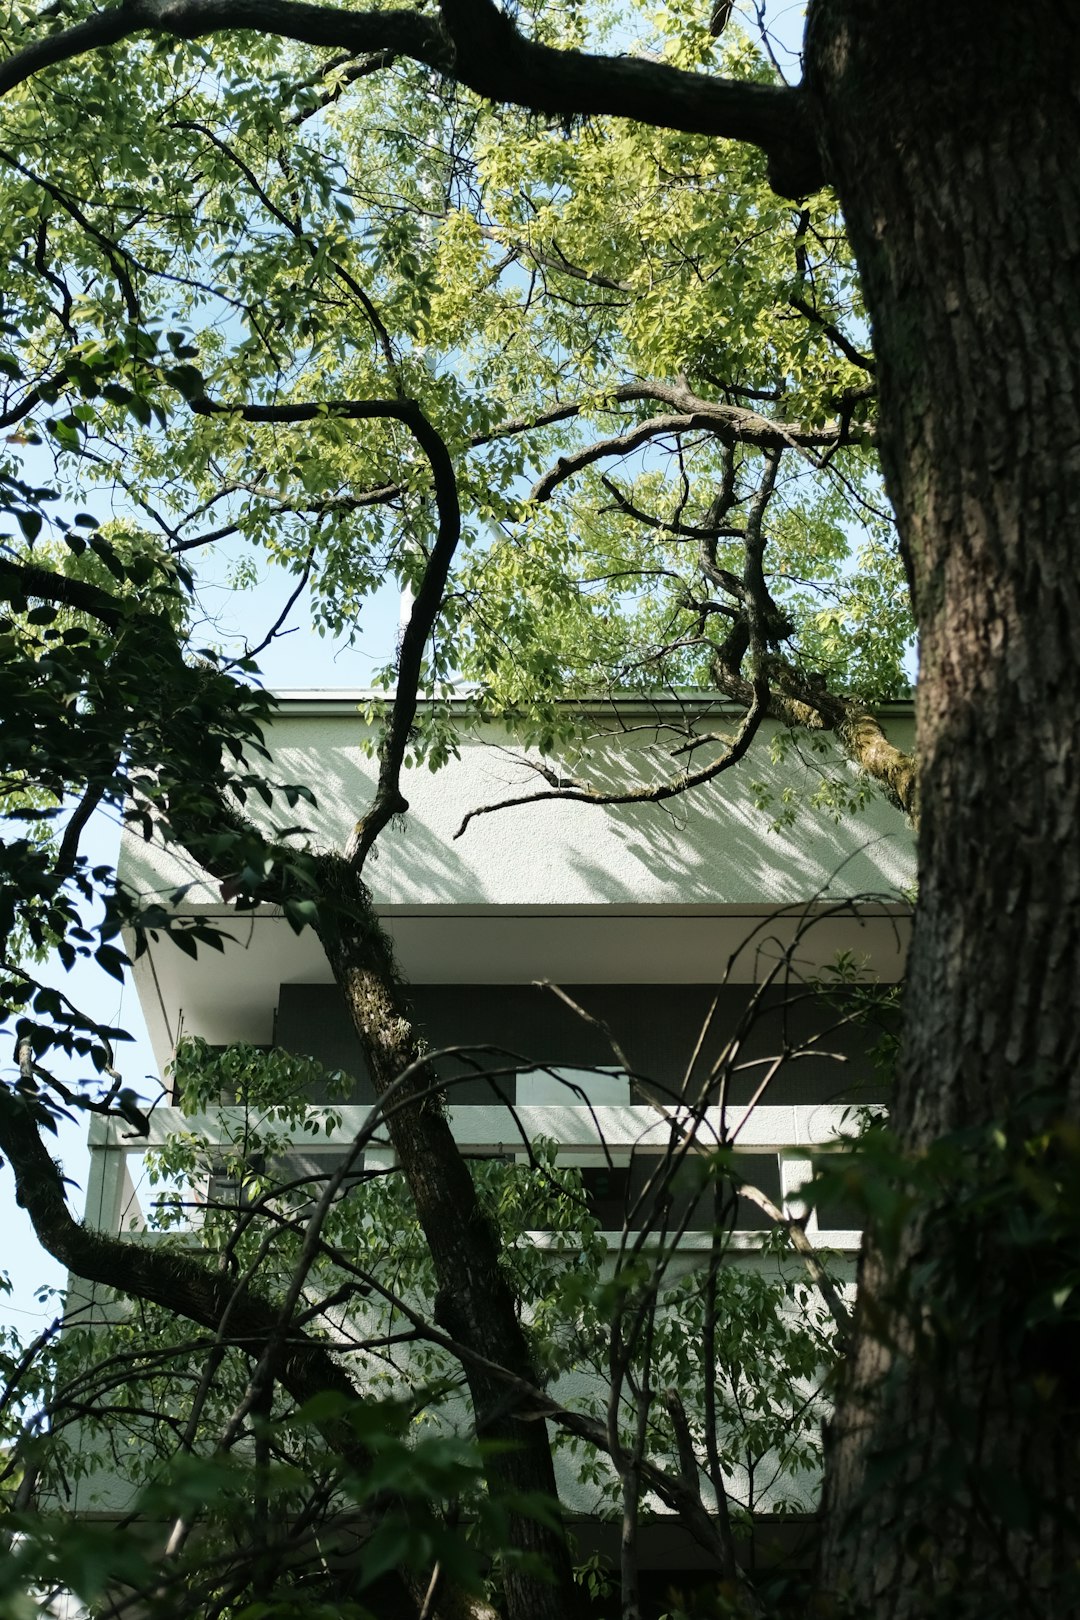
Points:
x=780, y=1141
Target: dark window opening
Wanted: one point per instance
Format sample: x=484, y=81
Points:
x=689, y=1199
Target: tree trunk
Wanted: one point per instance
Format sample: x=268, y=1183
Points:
x=475, y=1304
x=952, y=133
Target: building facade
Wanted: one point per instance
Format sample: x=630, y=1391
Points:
x=615, y=980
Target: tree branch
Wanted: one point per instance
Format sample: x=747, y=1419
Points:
x=494, y=59
x=477, y=45
x=803, y=1246
x=427, y=605
x=656, y=792
x=554, y=259
x=834, y=334
x=538, y=1404
x=679, y=531
x=172, y=1280
x=797, y=702
x=732, y=424
x=621, y=444
x=20, y=580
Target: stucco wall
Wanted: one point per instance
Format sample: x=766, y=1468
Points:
x=713, y=846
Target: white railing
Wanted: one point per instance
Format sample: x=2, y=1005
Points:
x=587, y=1134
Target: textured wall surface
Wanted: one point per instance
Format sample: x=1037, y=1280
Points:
x=711, y=846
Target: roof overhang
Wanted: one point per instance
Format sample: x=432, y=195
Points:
x=231, y=995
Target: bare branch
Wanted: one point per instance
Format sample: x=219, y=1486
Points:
x=553, y=258
x=688, y=1472
x=427, y=605
x=275, y=629
x=802, y=703
x=69, y=844
x=389, y=800
x=742, y=426
x=621, y=445
x=803, y=1246
x=654, y=793
x=680, y=531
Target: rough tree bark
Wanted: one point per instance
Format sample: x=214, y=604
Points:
x=951, y=133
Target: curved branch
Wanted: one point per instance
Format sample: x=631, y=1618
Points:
x=731, y=424
x=799, y=703
x=834, y=335
x=657, y=792
x=68, y=852
x=107, y=28
x=427, y=605
x=746, y=426
x=118, y=257
x=494, y=59
x=806, y=1250
x=679, y=531
x=404, y=33
x=296, y=229
x=389, y=800
x=620, y=445
x=30, y=400
x=554, y=259
x=275, y=629
x=477, y=45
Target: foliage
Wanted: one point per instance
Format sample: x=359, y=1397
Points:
x=341, y=238
x=130, y=1392
x=337, y=315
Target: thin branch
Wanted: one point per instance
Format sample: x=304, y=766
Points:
x=688, y=1472
x=120, y=261
x=69, y=844
x=834, y=334
x=591, y=1019
x=177, y=1281
x=30, y=400
x=654, y=793
x=803, y=1246
x=347, y=70
x=296, y=229
x=554, y=259
x=681, y=531
x=275, y=629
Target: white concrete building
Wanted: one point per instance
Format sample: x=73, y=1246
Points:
x=644, y=913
